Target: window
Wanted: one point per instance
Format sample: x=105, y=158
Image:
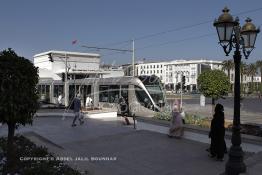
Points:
x=103, y=93
x=124, y=91
x=43, y=92
x=109, y=93
x=143, y=98
x=113, y=93
x=58, y=89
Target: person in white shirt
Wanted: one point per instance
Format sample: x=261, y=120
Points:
x=88, y=101
x=59, y=99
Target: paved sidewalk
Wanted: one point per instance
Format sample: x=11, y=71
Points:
x=136, y=152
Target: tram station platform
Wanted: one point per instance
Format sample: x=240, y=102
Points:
x=100, y=113
x=89, y=113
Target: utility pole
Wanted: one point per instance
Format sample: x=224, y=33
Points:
x=133, y=57
x=181, y=97
x=66, y=84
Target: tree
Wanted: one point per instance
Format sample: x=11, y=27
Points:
x=214, y=84
x=251, y=71
x=243, y=70
x=259, y=66
x=18, y=102
x=228, y=65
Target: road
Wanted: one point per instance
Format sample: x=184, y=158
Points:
x=248, y=104
x=251, y=108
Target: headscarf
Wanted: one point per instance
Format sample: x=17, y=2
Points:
x=219, y=108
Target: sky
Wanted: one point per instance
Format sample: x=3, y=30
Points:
x=161, y=29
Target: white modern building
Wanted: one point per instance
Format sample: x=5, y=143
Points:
x=171, y=72
x=112, y=71
x=55, y=66
x=191, y=69
x=246, y=80
x=79, y=65
x=59, y=70
x=151, y=68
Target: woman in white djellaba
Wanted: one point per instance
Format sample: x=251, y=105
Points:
x=176, y=125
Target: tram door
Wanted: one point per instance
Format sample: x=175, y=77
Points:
x=124, y=94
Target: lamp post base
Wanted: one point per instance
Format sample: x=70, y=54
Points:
x=235, y=164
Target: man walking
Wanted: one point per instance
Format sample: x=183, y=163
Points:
x=77, y=110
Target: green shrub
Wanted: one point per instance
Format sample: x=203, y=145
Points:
x=164, y=115
x=25, y=148
x=189, y=118
x=197, y=120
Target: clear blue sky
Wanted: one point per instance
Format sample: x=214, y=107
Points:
x=31, y=27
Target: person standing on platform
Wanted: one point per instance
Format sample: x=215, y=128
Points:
x=176, y=125
x=89, y=101
x=59, y=99
x=217, y=134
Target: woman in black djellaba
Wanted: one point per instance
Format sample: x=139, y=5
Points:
x=217, y=134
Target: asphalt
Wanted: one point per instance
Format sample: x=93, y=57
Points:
x=106, y=146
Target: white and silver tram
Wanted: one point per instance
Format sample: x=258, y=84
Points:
x=144, y=94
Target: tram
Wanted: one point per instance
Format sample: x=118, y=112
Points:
x=144, y=94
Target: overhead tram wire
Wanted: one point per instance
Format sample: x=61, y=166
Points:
x=178, y=41
x=191, y=26
x=169, y=42
x=182, y=28
x=248, y=11
x=174, y=30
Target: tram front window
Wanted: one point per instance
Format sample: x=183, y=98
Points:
x=156, y=93
x=153, y=85
x=143, y=98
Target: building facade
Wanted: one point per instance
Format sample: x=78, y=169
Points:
x=246, y=81
x=171, y=72
x=152, y=68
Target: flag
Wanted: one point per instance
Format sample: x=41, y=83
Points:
x=74, y=42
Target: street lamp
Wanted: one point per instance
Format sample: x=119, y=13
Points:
x=231, y=35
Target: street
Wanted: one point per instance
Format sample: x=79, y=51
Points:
x=251, y=108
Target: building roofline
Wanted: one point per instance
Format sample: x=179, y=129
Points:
x=185, y=61
x=194, y=61
x=67, y=53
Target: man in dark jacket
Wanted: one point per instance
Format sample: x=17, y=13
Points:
x=124, y=109
x=77, y=110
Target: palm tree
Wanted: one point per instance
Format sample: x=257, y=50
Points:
x=243, y=70
x=228, y=65
x=251, y=71
x=259, y=66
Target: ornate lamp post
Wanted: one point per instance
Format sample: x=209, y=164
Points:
x=231, y=35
